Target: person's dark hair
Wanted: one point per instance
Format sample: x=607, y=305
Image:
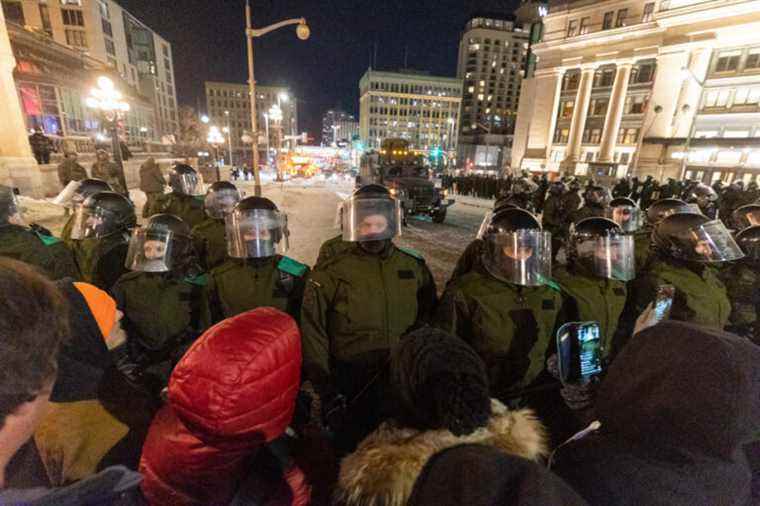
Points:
x=33, y=322
x=440, y=383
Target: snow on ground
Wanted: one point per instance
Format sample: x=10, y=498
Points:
x=311, y=205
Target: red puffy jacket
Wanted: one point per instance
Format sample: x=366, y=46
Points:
x=232, y=392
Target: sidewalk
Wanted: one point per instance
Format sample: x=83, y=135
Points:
x=473, y=201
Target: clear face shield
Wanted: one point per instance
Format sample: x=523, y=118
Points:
x=749, y=218
x=188, y=184
x=219, y=204
x=70, y=196
x=522, y=257
x=371, y=219
x=628, y=217
x=609, y=257
x=484, y=225
x=13, y=212
x=150, y=251
x=713, y=243
x=90, y=223
x=256, y=233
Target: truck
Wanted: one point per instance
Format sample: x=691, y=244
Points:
x=406, y=177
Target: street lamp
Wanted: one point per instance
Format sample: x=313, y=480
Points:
x=204, y=119
x=689, y=74
x=335, y=129
x=229, y=133
x=106, y=99
x=216, y=139
x=303, y=32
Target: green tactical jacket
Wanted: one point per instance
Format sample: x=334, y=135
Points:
x=742, y=282
x=111, y=174
x=594, y=299
x=101, y=261
x=470, y=260
x=554, y=214
x=188, y=208
x=210, y=243
x=700, y=298
x=42, y=251
x=357, y=306
x=161, y=311
x=509, y=326
x=332, y=248
x=240, y=285
x=641, y=243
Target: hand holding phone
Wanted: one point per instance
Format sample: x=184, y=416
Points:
x=579, y=352
x=663, y=302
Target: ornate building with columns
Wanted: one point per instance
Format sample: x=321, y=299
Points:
x=628, y=86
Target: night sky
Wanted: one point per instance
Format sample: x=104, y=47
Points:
x=209, y=43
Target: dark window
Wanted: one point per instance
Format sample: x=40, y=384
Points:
x=604, y=78
x=76, y=38
x=621, y=17
x=727, y=62
x=608, y=18
x=14, y=11
x=45, y=17
x=572, y=28
x=570, y=81
x=643, y=73
x=753, y=59
x=107, y=27
x=598, y=107
x=648, y=12
x=110, y=47
x=72, y=17
x=585, y=24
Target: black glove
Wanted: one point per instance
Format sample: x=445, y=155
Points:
x=576, y=397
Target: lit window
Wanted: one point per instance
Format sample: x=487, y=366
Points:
x=585, y=23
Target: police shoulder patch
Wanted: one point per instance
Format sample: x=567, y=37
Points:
x=290, y=266
x=47, y=240
x=200, y=280
x=553, y=285
x=412, y=253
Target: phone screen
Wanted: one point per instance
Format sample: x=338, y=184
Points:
x=590, y=350
x=663, y=302
x=579, y=352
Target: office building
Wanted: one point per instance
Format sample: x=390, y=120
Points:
x=412, y=105
x=228, y=105
x=667, y=88
x=102, y=31
x=336, y=118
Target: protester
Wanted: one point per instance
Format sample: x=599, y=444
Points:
x=41, y=146
x=231, y=394
x=69, y=170
x=676, y=408
x=443, y=400
x=109, y=172
x=33, y=324
x=502, y=480
x=152, y=183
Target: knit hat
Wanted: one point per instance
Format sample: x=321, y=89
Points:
x=102, y=306
x=440, y=383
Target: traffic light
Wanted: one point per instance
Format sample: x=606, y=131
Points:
x=436, y=153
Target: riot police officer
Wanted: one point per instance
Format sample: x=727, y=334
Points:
x=508, y=308
x=600, y=263
x=183, y=201
x=686, y=247
x=101, y=237
x=746, y=216
x=522, y=193
x=625, y=213
x=656, y=212
x=554, y=216
x=356, y=307
x=705, y=197
x=86, y=188
x=336, y=245
x=596, y=198
x=255, y=273
x=472, y=255
x=741, y=279
x=33, y=245
x=163, y=298
x=208, y=236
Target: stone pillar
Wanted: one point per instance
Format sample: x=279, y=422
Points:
x=554, y=111
x=578, y=123
x=614, y=113
x=17, y=165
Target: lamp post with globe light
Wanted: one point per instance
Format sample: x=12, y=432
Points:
x=303, y=32
x=109, y=102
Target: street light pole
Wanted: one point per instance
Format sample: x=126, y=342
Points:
x=303, y=33
x=229, y=134
x=109, y=102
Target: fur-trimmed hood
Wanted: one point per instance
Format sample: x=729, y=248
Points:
x=383, y=469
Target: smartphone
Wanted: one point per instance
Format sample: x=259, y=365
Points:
x=663, y=302
x=579, y=352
